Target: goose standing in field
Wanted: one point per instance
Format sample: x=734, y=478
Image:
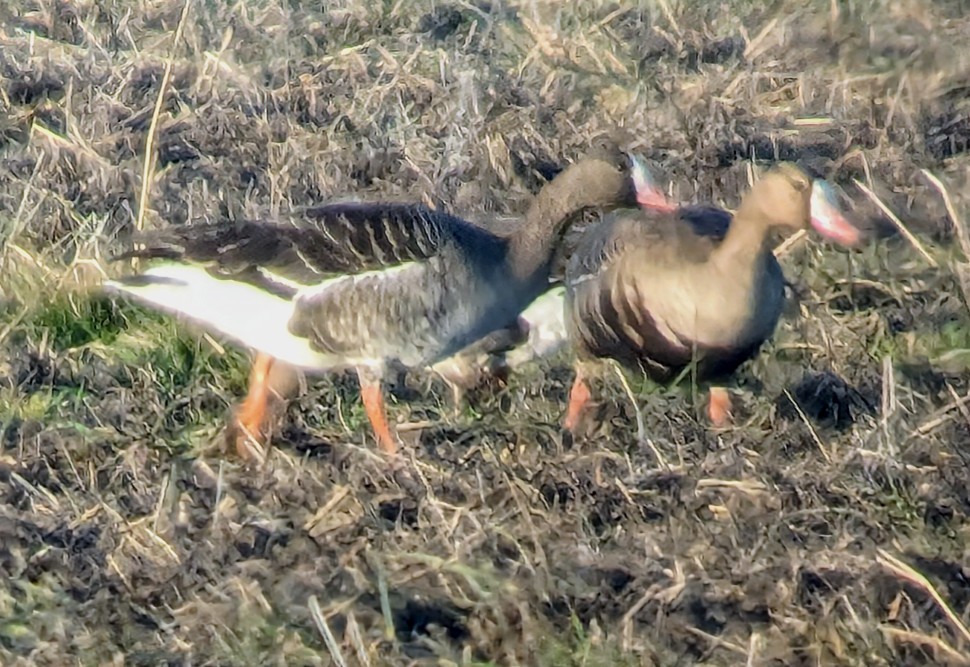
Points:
x=540, y=330
x=358, y=285
x=647, y=290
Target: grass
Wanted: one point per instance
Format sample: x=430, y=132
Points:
x=124, y=538
x=64, y=336
x=583, y=650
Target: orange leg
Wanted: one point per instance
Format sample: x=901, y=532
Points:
x=579, y=396
x=251, y=415
x=372, y=395
x=719, y=407
x=283, y=380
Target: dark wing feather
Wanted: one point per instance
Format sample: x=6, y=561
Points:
x=330, y=240
x=707, y=221
x=354, y=237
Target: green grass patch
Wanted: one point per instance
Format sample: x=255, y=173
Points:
x=70, y=321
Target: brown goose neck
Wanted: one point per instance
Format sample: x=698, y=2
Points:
x=583, y=185
x=747, y=237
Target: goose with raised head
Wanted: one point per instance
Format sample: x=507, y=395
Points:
x=361, y=285
x=666, y=286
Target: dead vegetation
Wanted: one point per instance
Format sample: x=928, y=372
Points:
x=828, y=527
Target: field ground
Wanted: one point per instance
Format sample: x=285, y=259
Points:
x=829, y=527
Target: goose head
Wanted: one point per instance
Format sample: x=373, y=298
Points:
x=649, y=195
x=827, y=217
x=787, y=198
x=779, y=199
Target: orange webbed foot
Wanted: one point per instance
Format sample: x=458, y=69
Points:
x=719, y=407
x=372, y=395
x=579, y=396
x=248, y=427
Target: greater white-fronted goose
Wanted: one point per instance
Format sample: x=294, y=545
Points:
x=361, y=285
x=665, y=286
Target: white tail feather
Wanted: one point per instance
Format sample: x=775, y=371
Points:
x=239, y=311
x=547, y=328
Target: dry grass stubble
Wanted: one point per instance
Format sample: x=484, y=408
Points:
x=829, y=527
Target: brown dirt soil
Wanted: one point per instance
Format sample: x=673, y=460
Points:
x=127, y=538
